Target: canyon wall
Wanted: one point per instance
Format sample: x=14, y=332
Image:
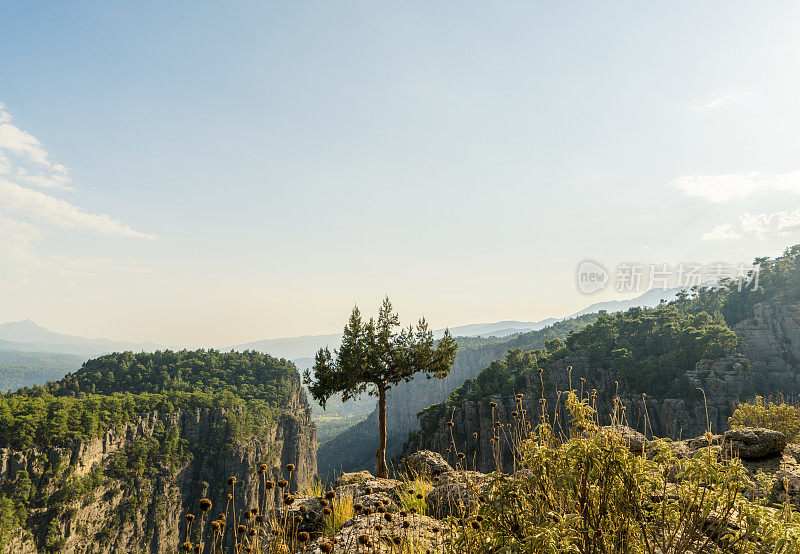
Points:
x=147, y=514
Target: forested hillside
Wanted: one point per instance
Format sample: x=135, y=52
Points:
x=733, y=342
x=114, y=389
x=132, y=423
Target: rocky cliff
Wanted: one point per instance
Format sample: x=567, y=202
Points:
x=92, y=507
x=766, y=362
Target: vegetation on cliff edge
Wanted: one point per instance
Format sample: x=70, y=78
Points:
x=112, y=390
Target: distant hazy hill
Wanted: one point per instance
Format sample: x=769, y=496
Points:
x=306, y=346
x=33, y=355
x=27, y=336
x=650, y=299
x=292, y=348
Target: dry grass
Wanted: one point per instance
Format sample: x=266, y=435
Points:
x=341, y=510
x=413, y=495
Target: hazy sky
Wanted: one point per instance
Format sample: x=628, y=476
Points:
x=208, y=173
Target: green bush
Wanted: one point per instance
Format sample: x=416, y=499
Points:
x=591, y=494
x=778, y=416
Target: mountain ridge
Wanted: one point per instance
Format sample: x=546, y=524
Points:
x=306, y=346
x=27, y=335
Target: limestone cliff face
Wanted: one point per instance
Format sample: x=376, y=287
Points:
x=147, y=515
x=767, y=362
x=771, y=341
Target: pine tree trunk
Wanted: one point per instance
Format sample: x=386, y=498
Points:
x=381, y=453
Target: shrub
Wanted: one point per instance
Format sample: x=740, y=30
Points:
x=591, y=494
x=778, y=416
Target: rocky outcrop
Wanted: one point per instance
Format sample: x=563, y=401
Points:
x=771, y=341
x=751, y=443
x=413, y=533
x=382, y=520
x=147, y=515
x=425, y=463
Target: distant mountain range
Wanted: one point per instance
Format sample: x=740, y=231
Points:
x=31, y=354
x=306, y=346
x=27, y=336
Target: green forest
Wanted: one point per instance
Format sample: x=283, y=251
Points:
x=112, y=390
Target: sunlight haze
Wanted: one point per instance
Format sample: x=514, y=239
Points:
x=208, y=174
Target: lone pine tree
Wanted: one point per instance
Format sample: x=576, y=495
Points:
x=373, y=357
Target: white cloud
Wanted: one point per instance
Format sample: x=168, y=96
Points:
x=758, y=225
x=24, y=162
x=719, y=100
x=60, y=213
x=719, y=189
x=19, y=259
x=27, y=215
x=16, y=141
x=33, y=166
x=43, y=181
x=722, y=232
x=56, y=180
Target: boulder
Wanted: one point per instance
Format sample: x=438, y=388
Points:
x=422, y=534
x=704, y=441
x=372, y=492
x=310, y=514
x=372, y=484
x=753, y=443
x=426, y=463
x=352, y=478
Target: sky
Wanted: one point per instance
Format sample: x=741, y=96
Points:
x=207, y=173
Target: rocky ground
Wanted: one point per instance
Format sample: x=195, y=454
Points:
x=381, y=523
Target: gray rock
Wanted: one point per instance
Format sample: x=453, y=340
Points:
x=426, y=463
x=752, y=443
x=369, y=487
x=310, y=515
x=352, y=478
x=424, y=534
